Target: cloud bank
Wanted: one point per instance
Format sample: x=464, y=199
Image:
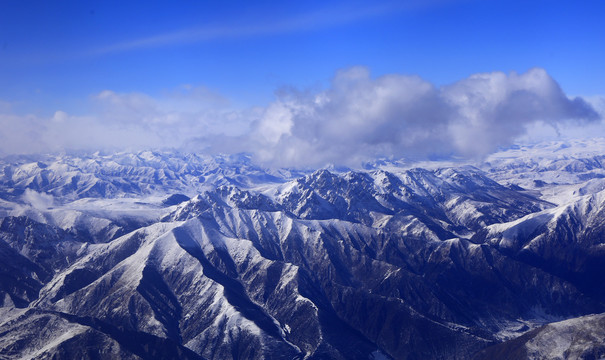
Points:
x=357, y=118
x=125, y=121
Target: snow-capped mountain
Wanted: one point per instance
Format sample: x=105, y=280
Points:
x=579, y=338
x=166, y=255
x=71, y=177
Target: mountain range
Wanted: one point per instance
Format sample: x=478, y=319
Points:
x=167, y=255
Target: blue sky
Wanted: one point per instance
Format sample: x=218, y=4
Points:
x=57, y=56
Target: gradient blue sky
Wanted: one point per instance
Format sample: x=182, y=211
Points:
x=212, y=67
x=55, y=54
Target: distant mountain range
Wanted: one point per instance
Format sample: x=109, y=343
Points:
x=163, y=255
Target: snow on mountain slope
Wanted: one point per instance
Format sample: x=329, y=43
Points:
x=165, y=255
x=578, y=338
x=459, y=200
x=96, y=220
x=575, y=338
x=585, y=213
x=557, y=170
x=567, y=241
x=38, y=334
x=234, y=243
x=70, y=177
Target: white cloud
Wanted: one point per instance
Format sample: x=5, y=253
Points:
x=357, y=118
x=360, y=117
x=125, y=121
x=495, y=108
x=40, y=201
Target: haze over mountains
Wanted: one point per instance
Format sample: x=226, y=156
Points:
x=172, y=255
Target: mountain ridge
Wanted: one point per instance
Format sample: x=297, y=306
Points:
x=249, y=263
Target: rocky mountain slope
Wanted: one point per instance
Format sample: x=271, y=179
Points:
x=579, y=338
x=164, y=255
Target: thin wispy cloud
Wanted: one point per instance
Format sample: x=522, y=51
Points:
x=322, y=19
